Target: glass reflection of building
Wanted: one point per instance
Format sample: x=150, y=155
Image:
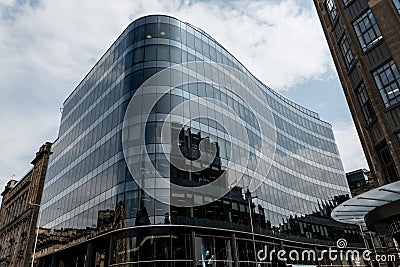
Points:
x=93, y=211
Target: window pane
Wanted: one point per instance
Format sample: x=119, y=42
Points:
x=387, y=163
x=139, y=33
x=367, y=30
x=332, y=11
x=176, y=55
x=150, y=53
x=151, y=30
x=346, y=52
x=163, y=53
x=164, y=30
x=397, y=5
x=387, y=80
x=175, y=33
x=129, y=60
x=138, y=55
x=365, y=103
x=347, y=2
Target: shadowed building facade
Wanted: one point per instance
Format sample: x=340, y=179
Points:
x=364, y=40
x=19, y=212
x=95, y=213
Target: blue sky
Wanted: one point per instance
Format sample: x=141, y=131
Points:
x=47, y=47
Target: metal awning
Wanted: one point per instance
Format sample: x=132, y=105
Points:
x=355, y=209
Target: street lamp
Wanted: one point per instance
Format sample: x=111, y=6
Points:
x=37, y=233
x=252, y=228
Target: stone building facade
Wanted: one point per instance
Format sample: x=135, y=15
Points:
x=19, y=212
x=364, y=40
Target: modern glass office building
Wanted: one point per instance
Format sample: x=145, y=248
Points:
x=97, y=208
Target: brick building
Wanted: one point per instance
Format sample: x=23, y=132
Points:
x=19, y=212
x=364, y=40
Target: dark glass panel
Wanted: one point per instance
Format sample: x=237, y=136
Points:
x=127, y=83
x=137, y=79
x=190, y=40
x=176, y=55
x=150, y=53
x=140, y=33
x=129, y=60
x=164, y=31
x=163, y=53
x=175, y=33
x=151, y=31
x=131, y=203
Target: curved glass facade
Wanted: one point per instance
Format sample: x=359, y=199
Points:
x=89, y=186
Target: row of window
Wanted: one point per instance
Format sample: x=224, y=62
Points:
x=387, y=77
x=138, y=78
x=63, y=184
x=275, y=195
x=74, y=138
x=207, y=251
x=365, y=103
x=346, y=52
x=365, y=27
x=396, y=3
x=173, y=55
x=332, y=11
x=152, y=33
x=367, y=31
x=86, y=154
x=387, y=163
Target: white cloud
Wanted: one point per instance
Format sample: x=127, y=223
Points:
x=6, y=2
x=47, y=47
x=349, y=146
